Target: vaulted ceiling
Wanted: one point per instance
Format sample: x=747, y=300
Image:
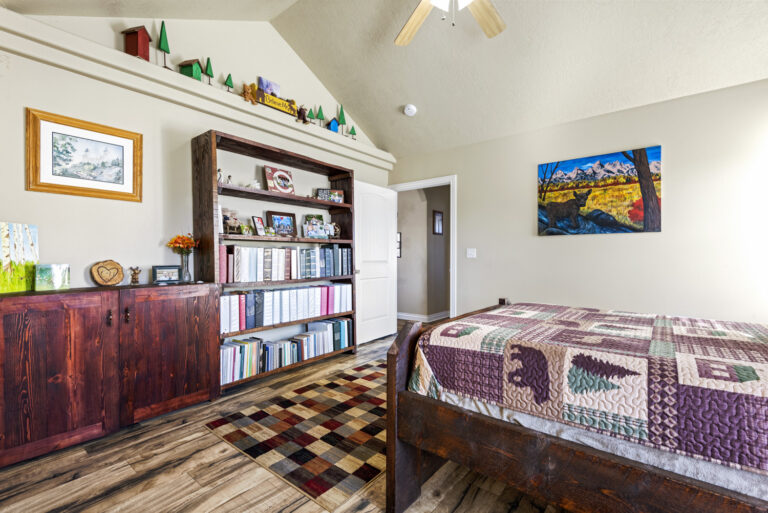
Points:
x=558, y=60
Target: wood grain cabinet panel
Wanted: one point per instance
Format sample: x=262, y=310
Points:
x=169, y=354
x=58, y=361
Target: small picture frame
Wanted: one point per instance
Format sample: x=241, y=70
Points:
x=166, y=274
x=284, y=223
x=279, y=180
x=334, y=195
x=399, y=245
x=437, y=222
x=258, y=224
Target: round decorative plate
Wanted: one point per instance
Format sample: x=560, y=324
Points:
x=283, y=181
x=107, y=273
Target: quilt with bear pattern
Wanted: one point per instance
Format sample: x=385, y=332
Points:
x=691, y=386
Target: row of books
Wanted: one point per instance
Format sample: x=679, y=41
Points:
x=256, y=308
x=242, y=359
x=240, y=264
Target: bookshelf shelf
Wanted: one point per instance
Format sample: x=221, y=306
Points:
x=266, y=284
x=286, y=324
x=207, y=193
x=262, y=375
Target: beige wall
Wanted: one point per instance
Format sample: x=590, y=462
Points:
x=709, y=259
x=412, y=296
x=438, y=251
x=47, y=69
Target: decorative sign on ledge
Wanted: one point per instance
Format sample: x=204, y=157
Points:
x=255, y=95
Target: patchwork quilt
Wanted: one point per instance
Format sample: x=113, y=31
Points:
x=691, y=386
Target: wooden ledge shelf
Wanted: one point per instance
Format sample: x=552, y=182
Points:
x=285, y=324
x=350, y=349
x=259, y=284
x=279, y=197
x=267, y=238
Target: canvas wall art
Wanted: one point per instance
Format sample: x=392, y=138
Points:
x=611, y=193
x=19, y=253
x=70, y=156
x=52, y=277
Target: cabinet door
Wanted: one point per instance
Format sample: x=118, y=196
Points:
x=59, y=382
x=169, y=349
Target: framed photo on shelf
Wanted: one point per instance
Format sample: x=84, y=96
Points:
x=279, y=180
x=79, y=158
x=284, y=223
x=437, y=222
x=258, y=224
x=334, y=195
x=166, y=274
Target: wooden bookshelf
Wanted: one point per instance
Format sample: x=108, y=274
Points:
x=207, y=194
x=262, y=375
x=267, y=284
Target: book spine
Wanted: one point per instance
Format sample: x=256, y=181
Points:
x=250, y=311
x=222, y=263
x=241, y=309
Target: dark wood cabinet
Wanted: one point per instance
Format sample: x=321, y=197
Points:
x=169, y=349
x=59, y=382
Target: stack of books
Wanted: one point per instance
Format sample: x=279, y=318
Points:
x=242, y=311
x=244, y=358
x=240, y=264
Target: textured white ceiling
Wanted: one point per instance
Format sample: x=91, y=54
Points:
x=558, y=60
x=250, y=10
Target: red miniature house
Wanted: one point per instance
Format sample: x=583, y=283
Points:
x=137, y=42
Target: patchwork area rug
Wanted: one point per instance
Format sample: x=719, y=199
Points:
x=327, y=439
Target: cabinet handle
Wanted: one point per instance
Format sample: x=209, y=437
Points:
x=109, y=317
x=127, y=315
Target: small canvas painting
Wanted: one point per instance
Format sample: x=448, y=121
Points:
x=611, y=193
x=19, y=253
x=52, y=277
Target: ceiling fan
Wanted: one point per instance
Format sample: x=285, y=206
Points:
x=483, y=11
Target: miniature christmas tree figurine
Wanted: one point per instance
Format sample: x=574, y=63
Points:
x=228, y=83
x=310, y=116
x=209, y=70
x=320, y=117
x=342, y=119
x=353, y=133
x=162, y=45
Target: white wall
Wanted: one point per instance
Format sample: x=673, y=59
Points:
x=438, y=251
x=44, y=68
x=412, y=292
x=709, y=259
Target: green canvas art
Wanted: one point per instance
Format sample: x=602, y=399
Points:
x=52, y=277
x=19, y=253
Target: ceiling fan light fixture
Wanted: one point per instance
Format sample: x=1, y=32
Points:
x=464, y=3
x=445, y=5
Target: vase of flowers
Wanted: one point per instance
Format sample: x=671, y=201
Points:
x=184, y=245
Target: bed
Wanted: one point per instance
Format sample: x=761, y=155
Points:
x=586, y=409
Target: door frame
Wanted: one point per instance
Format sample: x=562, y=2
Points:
x=452, y=182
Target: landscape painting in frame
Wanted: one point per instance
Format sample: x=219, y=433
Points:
x=70, y=156
x=18, y=255
x=612, y=193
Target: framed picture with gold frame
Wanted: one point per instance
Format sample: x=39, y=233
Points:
x=70, y=156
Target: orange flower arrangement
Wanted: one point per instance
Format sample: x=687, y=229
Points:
x=183, y=244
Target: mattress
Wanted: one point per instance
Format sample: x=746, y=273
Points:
x=687, y=395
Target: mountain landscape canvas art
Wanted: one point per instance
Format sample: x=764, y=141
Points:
x=611, y=193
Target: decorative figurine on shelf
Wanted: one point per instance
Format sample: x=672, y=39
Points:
x=353, y=132
x=310, y=116
x=320, y=117
x=220, y=178
x=162, y=45
x=342, y=119
x=229, y=180
x=229, y=84
x=209, y=70
x=302, y=115
x=231, y=223
x=137, y=42
x=336, y=234
x=269, y=231
x=192, y=68
x=246, y=229
x=135, y=272
x=107, y=273
x=184, y=245
x=333, y=125
x=248, y=94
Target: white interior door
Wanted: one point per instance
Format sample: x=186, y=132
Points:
x=375, y=261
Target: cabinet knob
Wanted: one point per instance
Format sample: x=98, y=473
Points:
x=127, y=315
x=109, y=317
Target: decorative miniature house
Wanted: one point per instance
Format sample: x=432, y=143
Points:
x=333, y=125
x=137, y=42
x=192, y=68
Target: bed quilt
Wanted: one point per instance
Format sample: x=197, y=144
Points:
x=692, y=386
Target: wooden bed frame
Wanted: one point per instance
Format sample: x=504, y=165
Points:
x=423, y=433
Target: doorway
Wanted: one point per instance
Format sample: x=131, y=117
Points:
x=426, y=270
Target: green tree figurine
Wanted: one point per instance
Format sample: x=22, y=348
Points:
x=209, y=70
x=310, y=115
x=353, y=132
x=162, y=45
x=320, y=117
x=228, y=83
x=342, y=119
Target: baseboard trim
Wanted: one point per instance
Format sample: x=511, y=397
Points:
x=405, y=316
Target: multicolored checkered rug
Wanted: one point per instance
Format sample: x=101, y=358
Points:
x=327, y=439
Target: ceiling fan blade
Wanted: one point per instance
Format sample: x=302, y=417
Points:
x=488, y=17
x=414, y=23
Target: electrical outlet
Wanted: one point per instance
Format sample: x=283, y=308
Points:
x=471, y=252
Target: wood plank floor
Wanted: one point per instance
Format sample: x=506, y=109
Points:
x=173, y=463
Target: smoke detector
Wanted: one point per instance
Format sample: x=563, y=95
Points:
x=410, y=110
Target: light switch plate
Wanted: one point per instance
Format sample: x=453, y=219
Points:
x=471, y=252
